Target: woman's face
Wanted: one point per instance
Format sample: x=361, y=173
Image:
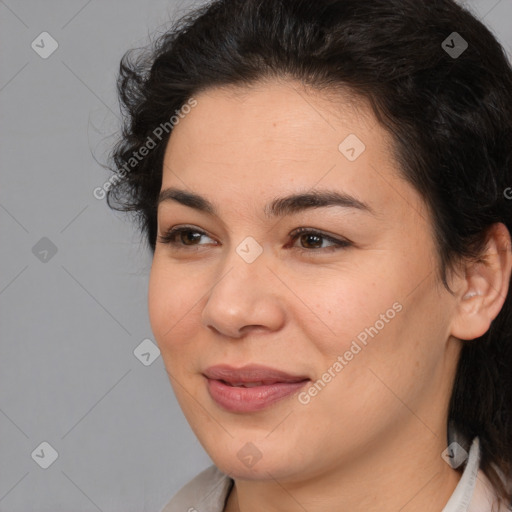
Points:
x=366, y=322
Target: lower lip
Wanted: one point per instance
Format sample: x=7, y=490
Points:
x=240, y=399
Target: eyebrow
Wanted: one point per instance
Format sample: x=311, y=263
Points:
x=278, y=207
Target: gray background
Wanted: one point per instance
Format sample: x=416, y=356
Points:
x=71, y=321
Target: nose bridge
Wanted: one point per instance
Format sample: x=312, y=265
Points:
x=246, y=263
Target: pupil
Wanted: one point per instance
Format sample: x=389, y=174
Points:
x=190, y=235
x=305, y=237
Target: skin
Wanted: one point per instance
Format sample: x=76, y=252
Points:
x=372, y=438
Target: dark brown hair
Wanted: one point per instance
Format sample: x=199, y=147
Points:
x=450, y=117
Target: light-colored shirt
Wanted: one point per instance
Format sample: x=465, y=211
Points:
x=208, y=491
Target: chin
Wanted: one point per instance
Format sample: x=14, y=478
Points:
x=239, y=471
x=237, y=463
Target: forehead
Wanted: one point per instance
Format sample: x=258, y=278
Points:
x=270, y=110
x=245, y=145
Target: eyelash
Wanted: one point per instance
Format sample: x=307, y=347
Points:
x=169, y=239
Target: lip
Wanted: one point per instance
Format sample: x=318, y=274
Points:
x=250, y=373
x=276, y=385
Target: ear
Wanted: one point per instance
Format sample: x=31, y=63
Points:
x=481, y=293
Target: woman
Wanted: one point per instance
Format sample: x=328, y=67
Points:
x=323, y=186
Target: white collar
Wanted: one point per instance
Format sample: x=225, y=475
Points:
x=474, y=492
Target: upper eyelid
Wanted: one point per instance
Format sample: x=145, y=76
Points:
x=293, y=234
x=304, y=229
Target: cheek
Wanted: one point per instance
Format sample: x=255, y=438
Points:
x=171, y=298
x=343, y=309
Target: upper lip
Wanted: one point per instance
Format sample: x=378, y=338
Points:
x=250, y=373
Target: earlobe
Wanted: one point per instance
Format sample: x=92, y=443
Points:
x=485, y=286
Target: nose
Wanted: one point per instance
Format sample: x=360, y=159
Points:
x=244, y=297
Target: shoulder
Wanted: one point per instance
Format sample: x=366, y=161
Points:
x=206, y=491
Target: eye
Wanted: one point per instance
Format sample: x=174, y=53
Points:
x=185, y=236
x=313, y=237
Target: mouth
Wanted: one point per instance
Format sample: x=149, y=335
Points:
x=250, y=388
x=251, y=375
x=251, y=384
